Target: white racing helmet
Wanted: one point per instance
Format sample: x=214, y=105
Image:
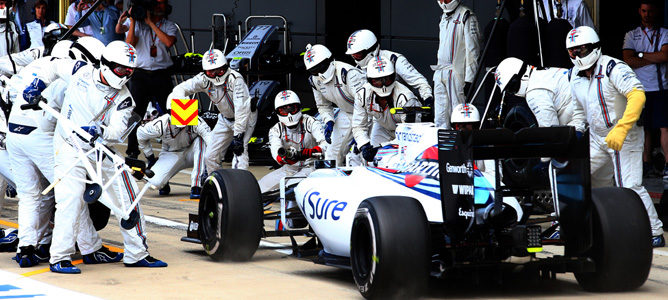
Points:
x=583, y=47
x=381, y=75
x=118, y=62
x=448, y=7
x=318, y=62
x=465, y=113
x=512, y=76
x=88, y=49
x=361, y=45
x=62, y=49
x=215, y=66
x=288, y=108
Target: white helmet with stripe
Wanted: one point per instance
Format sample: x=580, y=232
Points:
x=288, y=108
x=215, y=66
x=361, y=46
x=381, y=75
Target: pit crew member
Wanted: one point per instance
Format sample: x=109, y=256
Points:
x=293, y=141
x=612, y=98
x=236, y=122
x=333, y=83
x=182, y=147
x=458, y=54
x=376, y=99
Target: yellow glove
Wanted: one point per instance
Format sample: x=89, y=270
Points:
x=634, y=104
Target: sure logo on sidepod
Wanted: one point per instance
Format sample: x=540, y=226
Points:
x=319, y=207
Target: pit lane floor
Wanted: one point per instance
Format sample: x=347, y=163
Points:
x=271, y=273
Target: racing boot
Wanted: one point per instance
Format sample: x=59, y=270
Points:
x=64, y=267
x=26, y=257
x=102, y=256
x=195, y=192
x=658, y=241
x=42, y=252
x=147, y=262
x=165, y=190
x=9, y=241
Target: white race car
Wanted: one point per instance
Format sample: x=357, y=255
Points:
x=427, y=209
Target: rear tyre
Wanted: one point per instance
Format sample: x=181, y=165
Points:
x=230, y=215
x=622, y=248
x=390, y=248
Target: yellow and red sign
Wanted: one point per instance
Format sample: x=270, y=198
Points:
x=184, y=111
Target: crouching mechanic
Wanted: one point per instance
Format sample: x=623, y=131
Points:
x=547, y=92
x=229, y=92
x=182, y=147
x=31, y=152
x=333, y=83
x=376, y=100
x=293, y=141
x=363, y=46
x=97, y=92
x=612, y=98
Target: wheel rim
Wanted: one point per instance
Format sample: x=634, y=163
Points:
x=363, y=256
x=209, y=216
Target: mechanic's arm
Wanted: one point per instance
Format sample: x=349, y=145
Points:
x=626, y=82
x=579, y=119
x=242, y=106
x=406, y=100
x=355, y=80
x=325, y=108
x=275, y=142
x=148, y=131
x=541, y=103
x=472, y=44
x=203, y=130
x=119, y=117
x=56, y=68
x=411, y=75
x=360, y=123
x=317, y=129
x=187, y=88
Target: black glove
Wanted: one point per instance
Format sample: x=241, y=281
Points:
x=151, y=161
x=237, y=145
x=467, y=87
x=368, y=151
x=429, y=102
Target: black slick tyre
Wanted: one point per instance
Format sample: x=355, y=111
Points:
x=230, y=215
x=622, y=249
x=390, y=248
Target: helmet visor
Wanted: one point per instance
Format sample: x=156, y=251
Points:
x=362, y=54
x=581, y=51
x=382, y=81
x=123, y=71
x=216, y=72
x=289, y=109
x=320, y=67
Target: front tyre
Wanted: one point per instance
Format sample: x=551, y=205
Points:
x=230, y=215
x=622, y=247
x=390, y=248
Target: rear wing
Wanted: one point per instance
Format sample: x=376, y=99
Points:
x=458, y=151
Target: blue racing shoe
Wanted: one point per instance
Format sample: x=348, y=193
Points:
x=9, y=241
x=658, y=241
x=42, y=252
x=102, y=256
x=26, y=257
x=65, y=267
x=148, y=262
x=195, y=192
x=165, y=190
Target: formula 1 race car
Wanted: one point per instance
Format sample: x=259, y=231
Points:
x=427, y=209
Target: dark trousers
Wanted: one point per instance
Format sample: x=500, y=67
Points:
x=145, y=87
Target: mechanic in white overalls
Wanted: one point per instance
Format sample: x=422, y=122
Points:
x=98, y=91
x=182, y=147
x=333, y=83
x=293, y=141
x=229, y=92
x=9, y=67
x=363, y=46
x=547, y=92
x=458, y=55
x=375, y=102
x=612, y=98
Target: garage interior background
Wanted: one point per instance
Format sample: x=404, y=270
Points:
x=405, y=26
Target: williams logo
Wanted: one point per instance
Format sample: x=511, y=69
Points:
x=459, y=189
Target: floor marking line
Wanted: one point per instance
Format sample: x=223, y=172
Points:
x=40, y=271
x=10, y=224
x=193, y=200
